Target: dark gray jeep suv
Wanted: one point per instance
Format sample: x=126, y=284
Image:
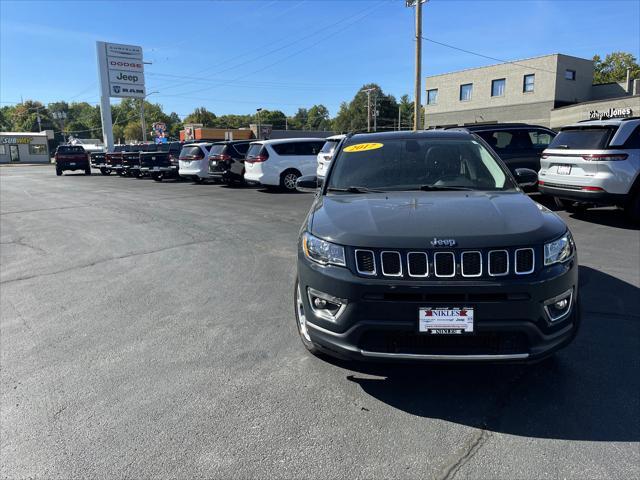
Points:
x=422, y=245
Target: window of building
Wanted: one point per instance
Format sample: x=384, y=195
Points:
x=570, y=74
x=497, y=87
x=3, y=150
x=529, y=83
x=432, y=96
x=465, y=92
x=35, y=149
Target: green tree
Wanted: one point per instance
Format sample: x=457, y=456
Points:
x=6, y=119
x=318, y=118
x=353, y=116
x=614, y=67
x=406, y=112
x=132, y=132
x=203, y=116
x=271, y=117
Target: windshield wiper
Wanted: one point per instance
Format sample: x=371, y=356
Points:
x=354, y=190
x=435, y=188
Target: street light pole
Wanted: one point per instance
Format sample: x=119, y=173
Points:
x=368, y=92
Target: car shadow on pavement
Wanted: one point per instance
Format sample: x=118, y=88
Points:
x=606, y=216
x=588, y=391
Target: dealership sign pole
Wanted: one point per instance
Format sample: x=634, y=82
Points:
x=121, y=74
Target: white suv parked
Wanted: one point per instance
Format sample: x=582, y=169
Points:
x=594, y=163
x=326, y=154
x=193, y=161
x=279, y=163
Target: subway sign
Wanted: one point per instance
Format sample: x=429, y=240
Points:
x=16, y=140
x=611, y=113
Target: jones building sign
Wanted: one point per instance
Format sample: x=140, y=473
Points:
x=611, y=113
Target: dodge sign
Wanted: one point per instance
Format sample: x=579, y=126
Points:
x=122, y=68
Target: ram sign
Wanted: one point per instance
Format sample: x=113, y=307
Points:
x=122, y=67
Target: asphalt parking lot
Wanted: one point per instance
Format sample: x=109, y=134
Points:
x=147, y=330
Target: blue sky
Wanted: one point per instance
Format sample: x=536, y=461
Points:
x=234, y=56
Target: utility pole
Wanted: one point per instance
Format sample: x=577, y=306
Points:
x=259, y=126
x=375, y=112
x=399, y=118
x=417, y=106
x=368, y=92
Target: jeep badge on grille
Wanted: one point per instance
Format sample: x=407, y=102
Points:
x=443, y=242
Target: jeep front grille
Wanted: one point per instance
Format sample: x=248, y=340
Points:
x=444, y=264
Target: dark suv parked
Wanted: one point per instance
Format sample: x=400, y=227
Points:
x=519, y=145
x=422, y=246
x=226, y=160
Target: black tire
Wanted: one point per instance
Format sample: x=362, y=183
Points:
x=288, y=180
x=105, y=171
x=157, y=177
x=58, y=172
x=298, y=307
x=569, y=206
x=632, y=208
x=87, y=171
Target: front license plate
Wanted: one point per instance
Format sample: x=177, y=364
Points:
x=445, y=321
x=564, y=169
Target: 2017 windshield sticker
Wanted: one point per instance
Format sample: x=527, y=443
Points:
x=363, y=147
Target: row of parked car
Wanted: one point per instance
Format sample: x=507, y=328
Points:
x=585, y=164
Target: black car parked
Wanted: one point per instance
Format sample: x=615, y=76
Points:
x=422, y=246
x=98, y=160
x=519, y=145
x=226, y=160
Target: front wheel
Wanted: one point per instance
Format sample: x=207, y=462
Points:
x=87, y=171
x=301, y=320
x=288, y=180
x=105, y=171
x=58, y=172
x=157, y=177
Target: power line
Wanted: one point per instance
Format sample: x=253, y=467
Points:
x=487, y=56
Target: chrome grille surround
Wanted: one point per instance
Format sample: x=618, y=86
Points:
x=426, y=261
x=533, y=261
x=500, y=274
x=470, y=252
x=435, y=264
x=373, y=258
x=388, y=252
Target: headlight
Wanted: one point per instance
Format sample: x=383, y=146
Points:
x=321, y=251
x=559, y=250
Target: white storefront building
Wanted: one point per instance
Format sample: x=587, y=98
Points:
x=24, y=147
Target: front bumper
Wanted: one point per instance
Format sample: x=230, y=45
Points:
x=380, y=321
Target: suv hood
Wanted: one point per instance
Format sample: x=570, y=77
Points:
x=413, y=219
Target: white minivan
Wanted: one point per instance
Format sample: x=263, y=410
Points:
x=193, y=161
x=326, y=154
x=279, y=163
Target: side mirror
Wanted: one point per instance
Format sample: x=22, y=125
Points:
x=526, y=177
x=308, y=183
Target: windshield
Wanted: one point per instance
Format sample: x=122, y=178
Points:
x=70, y=149
x=583, y=138
x=410, y=164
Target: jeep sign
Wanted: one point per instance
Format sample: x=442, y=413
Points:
x=121, y=76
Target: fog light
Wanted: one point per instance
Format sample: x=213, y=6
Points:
x=326, y=306
x=319, y=302
x=559, y=307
